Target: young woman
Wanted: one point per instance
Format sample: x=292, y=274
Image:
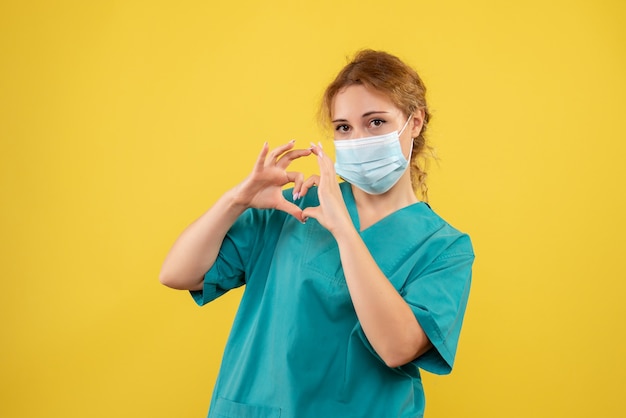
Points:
x=351, y=287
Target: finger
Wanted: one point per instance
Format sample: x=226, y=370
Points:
x=315, y=149
x=289, y=156
x=323, y=160
x=296, y=178
x=308, y=183
x=318, y=152
x=291, y=209
x=326, y=165
x=318, y=179
x=311, y=212
x=273, y=155
x=260, y=161
x=328, y=162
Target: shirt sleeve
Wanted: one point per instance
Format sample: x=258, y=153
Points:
x=438, y=298
x=228, y=271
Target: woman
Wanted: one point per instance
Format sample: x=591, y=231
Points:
x=351, y=287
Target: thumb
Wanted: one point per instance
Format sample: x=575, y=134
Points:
x=311, y=212
x=291, y=209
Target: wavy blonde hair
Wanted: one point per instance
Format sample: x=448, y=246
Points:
x=401, y=83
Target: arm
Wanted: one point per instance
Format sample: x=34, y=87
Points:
x=196, y=249
x=387, y=320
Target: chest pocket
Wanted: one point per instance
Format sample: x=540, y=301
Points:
x=224, y=408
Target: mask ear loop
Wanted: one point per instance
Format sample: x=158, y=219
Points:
x=405, y=124
x=408, y=160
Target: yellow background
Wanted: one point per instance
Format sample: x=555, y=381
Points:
x=122, y=121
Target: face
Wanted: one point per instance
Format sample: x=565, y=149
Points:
x=359, y=111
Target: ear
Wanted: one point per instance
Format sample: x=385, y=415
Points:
x=417, y=123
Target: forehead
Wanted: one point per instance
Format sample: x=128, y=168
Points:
x=358, y=99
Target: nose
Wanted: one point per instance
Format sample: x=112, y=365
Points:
x=358, y=133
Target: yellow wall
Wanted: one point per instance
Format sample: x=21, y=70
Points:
x=120, y=122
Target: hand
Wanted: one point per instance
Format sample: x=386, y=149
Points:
x=332, y=212
x=262, y=189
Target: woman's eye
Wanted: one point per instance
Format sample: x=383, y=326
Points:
x=377, y=123
x=342, y=128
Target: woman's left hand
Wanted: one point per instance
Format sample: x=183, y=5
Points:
x=332, y=212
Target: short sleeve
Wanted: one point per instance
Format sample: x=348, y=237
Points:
x=228, y=271
x=438, y=298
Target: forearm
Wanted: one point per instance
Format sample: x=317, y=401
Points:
x=386, y=319
x=196, y=249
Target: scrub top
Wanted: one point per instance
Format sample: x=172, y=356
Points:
x=296, y=348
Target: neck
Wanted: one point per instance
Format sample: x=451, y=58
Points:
x=373, y=208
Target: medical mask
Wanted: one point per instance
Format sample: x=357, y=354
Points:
x=373, y=164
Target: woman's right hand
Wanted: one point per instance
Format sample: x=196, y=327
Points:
x=197, y=248
x=262, y=189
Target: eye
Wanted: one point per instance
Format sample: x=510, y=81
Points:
x=342, y=128
x=377, y=123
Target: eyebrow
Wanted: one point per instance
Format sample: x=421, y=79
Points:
x=366, y=114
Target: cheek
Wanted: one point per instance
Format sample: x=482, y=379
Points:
x=406, y=143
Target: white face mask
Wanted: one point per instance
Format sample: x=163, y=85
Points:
x=373, y=164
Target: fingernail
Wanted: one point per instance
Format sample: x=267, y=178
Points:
x=304, y=220
x=292, y=141
x=320, y=145
x=296, y=196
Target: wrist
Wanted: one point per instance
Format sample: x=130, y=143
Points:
x=348, y=241
x=345, y=232
x=235, y=200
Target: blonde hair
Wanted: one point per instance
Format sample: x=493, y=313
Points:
x=401, y=83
